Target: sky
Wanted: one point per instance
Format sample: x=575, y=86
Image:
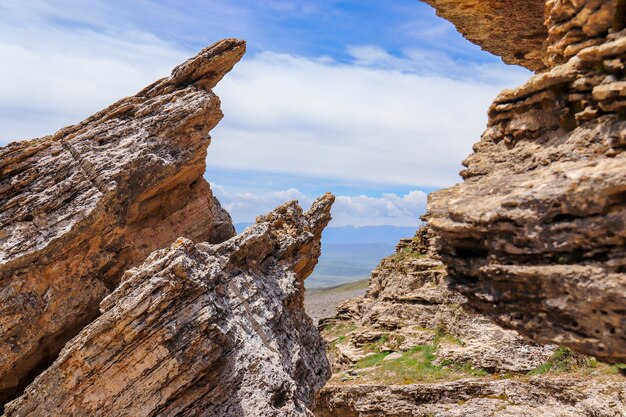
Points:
x=375, y=101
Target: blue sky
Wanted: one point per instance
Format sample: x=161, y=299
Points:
x=376, y=101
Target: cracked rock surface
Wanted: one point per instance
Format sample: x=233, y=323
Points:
x=408, y=304
x=200, y=330
x=79, y=207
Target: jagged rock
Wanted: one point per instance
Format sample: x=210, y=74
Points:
x=562, y=397
x=446, y=361
x=79, y=207
x=535, y=236
x=200, y=330
x=512, y=29
x=408, y=301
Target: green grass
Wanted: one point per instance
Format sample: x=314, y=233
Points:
x=442, y=336
x=371, y=360
x=387, y=341
x=405, y=253
x=564, y=360
x=337, y=329
x=416, y=365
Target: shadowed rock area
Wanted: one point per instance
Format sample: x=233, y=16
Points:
x=79, y=207
x=535, y=236
x=200, y=330
x=511, y=29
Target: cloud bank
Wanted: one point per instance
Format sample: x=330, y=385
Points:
x=361, y=210
x=364, y=121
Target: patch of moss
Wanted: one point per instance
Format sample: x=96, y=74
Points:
x=405, y=253
x=443, y=336
x=560, y=361
x=337, y=329
x=564, y=360
x=371, y=360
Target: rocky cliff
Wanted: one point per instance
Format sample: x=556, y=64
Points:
x=535, y=236
x=511, y=29
x=407, y=348
x=200, y=330
x=79, y=207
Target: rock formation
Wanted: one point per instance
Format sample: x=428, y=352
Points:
x=79, y=207
x=407, y=348
x=200, y=330
x=562, y=397
x=535, y=236
x=408, y=305
x=511, y=29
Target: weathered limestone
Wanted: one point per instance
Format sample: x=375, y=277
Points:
x=408, y=305
x=535, y=236
x=512, y=29
x=446, y=361
x=562, y=397
x=200, y=330
x=79, y=207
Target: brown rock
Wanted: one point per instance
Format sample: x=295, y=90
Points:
x=200, y=329
x=408, y=302
x=535, y=236
x=511, y=29
x=79, y=207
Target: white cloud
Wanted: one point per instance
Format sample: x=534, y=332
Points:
x=361, y=122
x=405, y=119
x=52, y=77
x=361, y=210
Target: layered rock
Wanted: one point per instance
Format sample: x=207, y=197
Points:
x=408, y=305
x=563, y=397
x=535, y=236
x=511, y=29
x=200, y=330
x=79, y=207
x=407, y=348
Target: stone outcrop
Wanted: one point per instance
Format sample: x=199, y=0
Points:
x=200, y=330
x=511, y=29
x=563, y=397
x=408, y=305
x=407, y=348
x=79, y=207
x=535, y=236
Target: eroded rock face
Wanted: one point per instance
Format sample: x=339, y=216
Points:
x=200, y=330
x=563, y=397
x=445, y=361
x=535, y=236
x=511, y=29
x=81, y=206
x=408, y=305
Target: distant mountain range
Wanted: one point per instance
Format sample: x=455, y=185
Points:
x=350, y=253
